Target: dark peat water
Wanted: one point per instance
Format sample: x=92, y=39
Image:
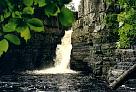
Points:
x=55, y=83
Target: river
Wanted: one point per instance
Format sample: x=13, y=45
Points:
x=56, y=83
x=51, y=83
x=58, y=78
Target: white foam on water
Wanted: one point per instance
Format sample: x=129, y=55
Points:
x=76, y=4
x=63, y=52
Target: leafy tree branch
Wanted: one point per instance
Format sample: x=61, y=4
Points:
x=20, y=17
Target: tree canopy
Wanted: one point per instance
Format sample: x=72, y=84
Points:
x=125, y=18
x=18, y=18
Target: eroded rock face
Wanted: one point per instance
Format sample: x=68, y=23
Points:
x=88, y=36
x=125, y=59
x=94, y=49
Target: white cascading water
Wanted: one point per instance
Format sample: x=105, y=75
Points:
x=63, y=52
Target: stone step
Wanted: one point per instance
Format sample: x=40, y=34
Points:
x=128, y=59
x=80, y=44
x=81, y=47
x=125, y=63
x=114, y=74
x=117, y=72
x=81, y=50
x=123, y=67
x=83, y=54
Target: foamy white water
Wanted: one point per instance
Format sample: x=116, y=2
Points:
x=63, y=52
x=76, y=4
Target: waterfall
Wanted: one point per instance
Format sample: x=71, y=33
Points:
x=63, y=51
x=62, y=60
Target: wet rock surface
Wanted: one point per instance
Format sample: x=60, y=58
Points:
x=94, y=48
x=52, y=83
x=124, y=60
x=89, y=38
x=59, y=83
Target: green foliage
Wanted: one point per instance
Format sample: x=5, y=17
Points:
x=35, y=22
x=16, y=14
x=3, y=46
x=6, y=14
x=52, y=10
x=28, y=10
x=13, y=39
x=28, y=2
x=36, y=25
x=65, y=17
x=9, y=27
x=123, y=33
x=40, y=3
x=20, y=17
x=126, y=20
x=26, y=34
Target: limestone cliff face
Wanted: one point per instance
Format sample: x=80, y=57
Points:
x=94, y=49
x=89, y=36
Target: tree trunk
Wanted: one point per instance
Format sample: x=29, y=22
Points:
x=123, y=78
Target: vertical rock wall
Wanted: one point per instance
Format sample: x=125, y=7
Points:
x=89, y=38
x=94, y=49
